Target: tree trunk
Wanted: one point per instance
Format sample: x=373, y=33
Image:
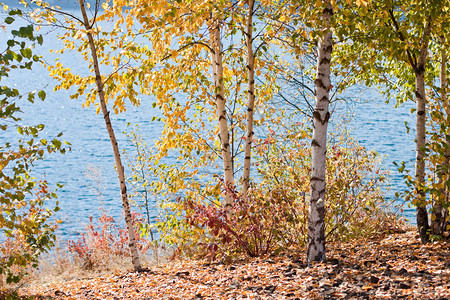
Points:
x=120, y=168
x=421, y=209
x=445, y=99
x=419, y=70
x=251, y=98
x=438, y=223
x=321, y=115
x=217, y=67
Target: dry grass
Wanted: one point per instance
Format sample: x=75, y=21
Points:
x=60, y=265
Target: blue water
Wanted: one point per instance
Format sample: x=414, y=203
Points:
x=380, y=126
x=86, y=132
x=376, y=125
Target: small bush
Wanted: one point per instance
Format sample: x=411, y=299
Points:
x=26, y=229
x=103, y=244
x=356, y=185
x=274, y=215
x=252, y=229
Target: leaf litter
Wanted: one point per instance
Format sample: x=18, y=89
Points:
x=396, y=266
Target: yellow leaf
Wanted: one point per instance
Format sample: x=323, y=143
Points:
x=361, y=2
x=105, y=6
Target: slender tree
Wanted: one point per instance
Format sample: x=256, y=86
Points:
x=321, y=115
x=211, y=77
x=221, y=112
x=418, y=66
x=119, y=84
x=251, y=97
x=395, y=37
x=440, y=210
x=119, y=166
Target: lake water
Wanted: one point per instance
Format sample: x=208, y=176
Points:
x=377, y=126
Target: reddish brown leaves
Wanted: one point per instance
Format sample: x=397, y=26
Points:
x=395, y=267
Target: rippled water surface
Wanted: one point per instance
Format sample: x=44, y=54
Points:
x=375, y=124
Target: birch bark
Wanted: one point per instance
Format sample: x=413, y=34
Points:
x=119, y=165
x=419, y=70
x=439, y=211
x=217, y=67
x=251, y=97
x=321, y=115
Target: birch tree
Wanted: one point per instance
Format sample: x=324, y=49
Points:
x=119, y=83
x=119, y=166
x=321, y=115
x=299, y=40
x=395, y=38
x=251, y=97
x=417, y=61
x=439, y=142
x=221, y=112
x=189, y=39
x=418, y=66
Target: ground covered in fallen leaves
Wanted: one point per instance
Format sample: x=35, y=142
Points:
x=394, y=267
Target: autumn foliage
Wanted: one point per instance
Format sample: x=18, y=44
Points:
x=273, y=216
x=232, y=176
x=103, y=242
x=26, y=229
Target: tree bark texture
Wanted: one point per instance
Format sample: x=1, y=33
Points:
x=321, y=115
x=421, y=209
x=251, y=98
x=217, y=68
x=445, y=223
x=120, y=168
x=438, y=224
x=419, y=70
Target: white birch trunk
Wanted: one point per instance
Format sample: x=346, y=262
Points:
x=217, y=67
x=120, y=168
x=251, y=98
x=321, y=115
x=419, y=70
x=439, y=211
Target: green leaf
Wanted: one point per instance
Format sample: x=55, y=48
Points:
x=9, y=20
x=42, y=95
x=31, y=97
x=26, y=32
x=56, y=143
x=33, y=131
x=14, y=12
x=26, y=53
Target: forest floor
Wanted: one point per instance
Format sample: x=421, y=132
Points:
x=395, y=266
